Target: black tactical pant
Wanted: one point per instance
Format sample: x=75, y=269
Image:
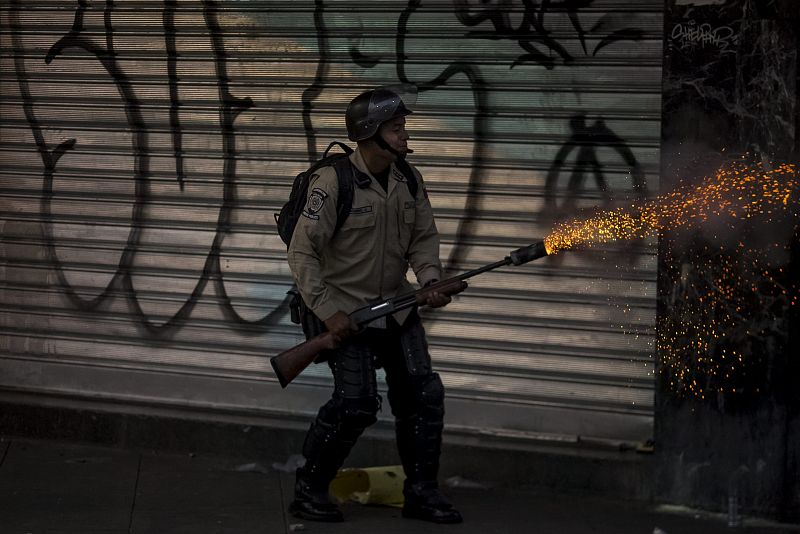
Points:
x=415, y=394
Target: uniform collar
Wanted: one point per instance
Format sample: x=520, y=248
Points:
x=395, y=175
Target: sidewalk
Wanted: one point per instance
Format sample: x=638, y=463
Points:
x=56, y=487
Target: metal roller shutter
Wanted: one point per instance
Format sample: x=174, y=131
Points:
x=145, y=146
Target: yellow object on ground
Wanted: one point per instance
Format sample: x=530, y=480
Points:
x=370, y=485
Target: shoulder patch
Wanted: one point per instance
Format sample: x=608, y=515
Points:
x=316, y=199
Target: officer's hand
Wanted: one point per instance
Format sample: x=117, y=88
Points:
x=436, y=299
x=340, y=325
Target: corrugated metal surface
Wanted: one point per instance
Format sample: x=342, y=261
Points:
x=145, y=145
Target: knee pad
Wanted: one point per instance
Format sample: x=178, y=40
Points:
x=415, y=349
x=425, y=397
x=430, y=393
x=359, y=412
x=318, y=436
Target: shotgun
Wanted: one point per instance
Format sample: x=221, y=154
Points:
x=290, y=363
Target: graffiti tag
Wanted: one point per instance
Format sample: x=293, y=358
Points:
x=693, y=34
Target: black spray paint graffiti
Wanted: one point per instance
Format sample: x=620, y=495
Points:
x=50, y=158
x=229, y=110
x=533, y=30
x=586, y=140
x=172, y=72
x=532, y=33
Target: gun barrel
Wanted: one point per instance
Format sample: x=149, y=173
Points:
x=531, y=252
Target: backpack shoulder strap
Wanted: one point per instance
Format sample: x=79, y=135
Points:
x=346, y=149
x=411, y=178
x=344, y=201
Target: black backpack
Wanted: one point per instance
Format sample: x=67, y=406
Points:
x=286, y=219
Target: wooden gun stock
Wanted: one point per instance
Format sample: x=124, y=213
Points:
x=290, y=363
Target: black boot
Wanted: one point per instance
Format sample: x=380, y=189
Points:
x=419, y=442
x=327, y=444
x=312, y=501
x=423, y=500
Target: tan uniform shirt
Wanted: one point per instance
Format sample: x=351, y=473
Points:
x=367, y=258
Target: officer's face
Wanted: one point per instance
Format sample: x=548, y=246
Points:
x=394, y=133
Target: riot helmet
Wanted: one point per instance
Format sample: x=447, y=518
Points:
x=370, y=109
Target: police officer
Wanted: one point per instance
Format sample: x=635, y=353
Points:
x=339, y=270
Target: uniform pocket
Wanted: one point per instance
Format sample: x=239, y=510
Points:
x=405, y=222
x=360, y=217
x=409, y=211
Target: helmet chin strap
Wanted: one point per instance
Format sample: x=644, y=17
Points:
x=384, y=145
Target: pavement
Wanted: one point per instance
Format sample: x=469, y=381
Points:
x=60, y=487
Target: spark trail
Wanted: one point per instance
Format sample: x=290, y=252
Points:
x=738, y=191
x=727, y=305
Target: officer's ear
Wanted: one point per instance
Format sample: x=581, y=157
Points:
x=370, y=145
